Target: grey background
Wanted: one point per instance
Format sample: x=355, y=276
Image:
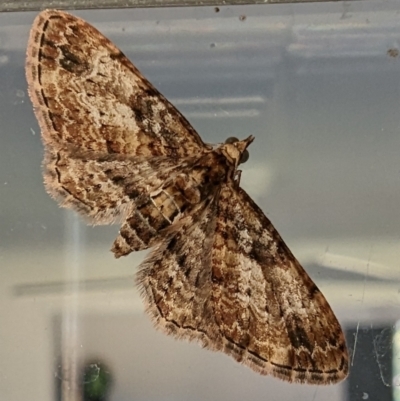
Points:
x=34, y=5
x=318, y=86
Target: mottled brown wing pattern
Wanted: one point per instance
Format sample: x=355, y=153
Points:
x=229, y=281
x=175, y=279
x=88, y=94
x=110, y=188
x=272, y=315
x=117, y=151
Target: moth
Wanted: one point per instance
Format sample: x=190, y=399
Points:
x=219, y=273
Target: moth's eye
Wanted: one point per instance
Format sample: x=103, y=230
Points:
x=231, y=139
x=244, y=157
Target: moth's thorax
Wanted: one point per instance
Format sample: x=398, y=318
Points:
x=231, y=153
x=187, y=189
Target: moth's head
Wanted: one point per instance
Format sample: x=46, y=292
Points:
x=236, y=151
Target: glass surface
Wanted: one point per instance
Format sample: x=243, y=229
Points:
x=318, y=86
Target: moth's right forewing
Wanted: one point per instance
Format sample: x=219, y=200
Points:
x=85, y=92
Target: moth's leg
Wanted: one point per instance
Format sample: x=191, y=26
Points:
x=238, y=175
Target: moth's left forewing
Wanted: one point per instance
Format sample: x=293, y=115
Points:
x=271, y=314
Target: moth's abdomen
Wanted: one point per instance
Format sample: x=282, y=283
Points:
x=155, y=212
x=169, y=204
x=140, y=230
